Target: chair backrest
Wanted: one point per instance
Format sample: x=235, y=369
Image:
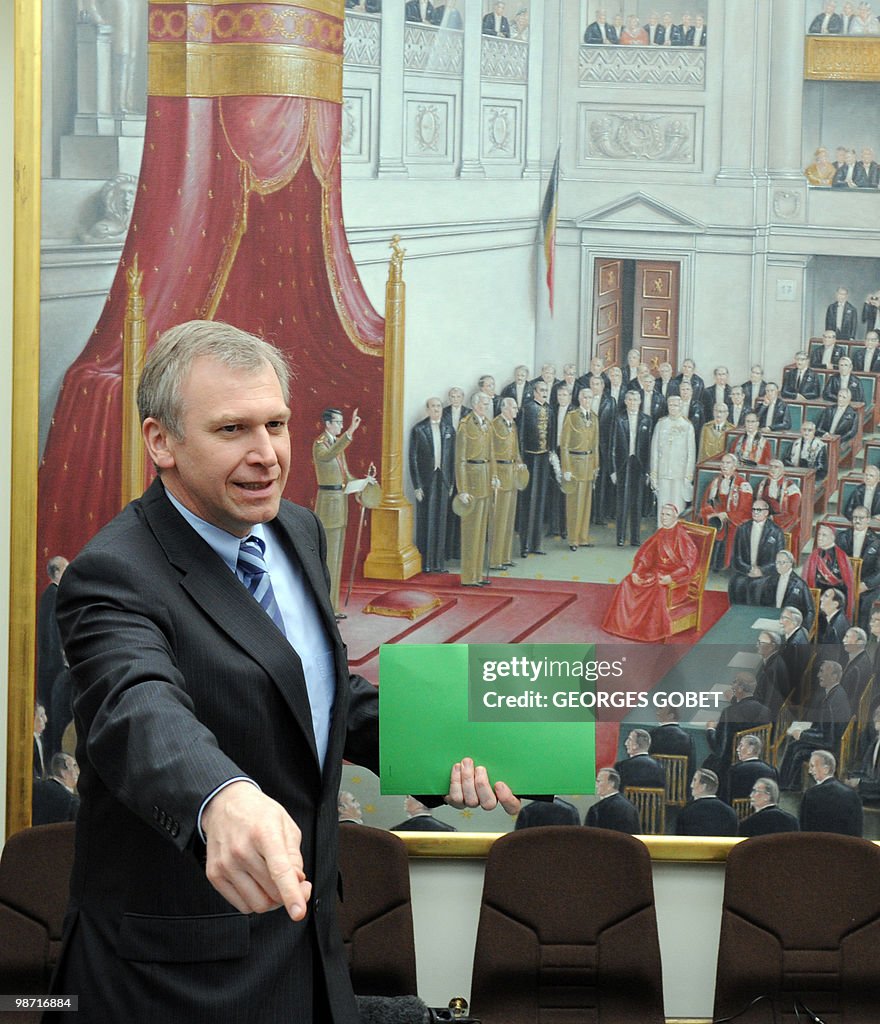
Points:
x=35, y=871
x=800, y=921
x=676, y=766
x=564, y=943
x=651, y=805
x=863, y=717
x=814, y=628
x=783, y=720
x=375, y=912
x=764, y=734
x=743, y=807
x=845, y=751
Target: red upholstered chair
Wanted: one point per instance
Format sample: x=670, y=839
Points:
x=567, y=931
x=685, y=600
x=375, y=911
x=34, y=883
x=800, y=924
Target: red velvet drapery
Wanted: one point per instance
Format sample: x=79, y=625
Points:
x=238, y=218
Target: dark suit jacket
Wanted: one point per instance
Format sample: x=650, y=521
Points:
x=743, y=775
x=489, y=26
x=421, y=454
x=831, y=807
x=184, y=683
x=777, y=675
x=620, y=442
x=738, y=715
x=781, y=416
x=672, y=739
x=707, y=400
x=856, y=674
x=708, y=816
x=832, y=386
x=858, y=356
x=697, y=383
x=846, y=428
x=52, y=802
x=641, y=770
x=857, y=497
x=593, y=33
x=797, y=594
x=835, y=24
x=867, y=177
x=848, y=321
x=870, y=574
x=413, y=13
x=819, y=460
x=423, y=823
x=810, y=386
x=816, y=354
x=615, y=812
x=768, y=820
x=749, y=392
x=772, y=542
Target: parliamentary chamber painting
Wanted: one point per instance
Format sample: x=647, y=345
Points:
x=685, y=227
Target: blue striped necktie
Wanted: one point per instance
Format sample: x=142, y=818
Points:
x=252, y=571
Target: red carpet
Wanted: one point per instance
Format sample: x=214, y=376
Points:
x=512, y=611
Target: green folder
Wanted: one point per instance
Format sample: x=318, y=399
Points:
x=433, y=712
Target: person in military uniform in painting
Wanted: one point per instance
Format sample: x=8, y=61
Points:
x=506, y=463
x=579, y=459
x=331, y=504
x=472, y=478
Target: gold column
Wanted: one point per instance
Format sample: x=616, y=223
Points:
x=134, y=353
x=393, y=556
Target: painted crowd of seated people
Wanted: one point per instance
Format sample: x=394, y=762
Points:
x=846, y=19
x=658, y=30
x=850, y=169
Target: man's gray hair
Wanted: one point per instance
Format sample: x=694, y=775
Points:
x=171, y=358
x=641, y=738
x=827, y=759
x=771, y=787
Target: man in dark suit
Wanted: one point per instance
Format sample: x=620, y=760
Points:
x=55, y=798
x=599, y=31
x=775, y=676
x=827, y=354
x=749, y=767
x=867, y=359
x=774, y=414
x=519, y=389
x=50, y=656
x=829, y=716
x=755, y=547
x=420, y=819
x=860, y=542
x=865, y=495
x=833, y=622
x=842, y=316
x=544, y=812
x=867, y=171
x=639, y=768
x=432, y=472
x=495, y=24
x=603, y=406
x=716, y=393
x=858, y=668
x=783, y=588
x=830, y=805
x=214, y=705
x=537, y=441
x=754, y=388
x=612, y=809
x=419, y=10
x=843, y=379
x=670, y=738
x=630, y=467
x=453, y=413
x=768, y=817
x=743, y=712
x=840, y=419
x=866, y=779
x=691, y=408
x=800, y=381
x=707, y=814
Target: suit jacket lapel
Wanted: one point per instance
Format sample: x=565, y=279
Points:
x=226, y=601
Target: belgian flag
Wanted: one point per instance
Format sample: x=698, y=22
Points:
x=548, y=224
